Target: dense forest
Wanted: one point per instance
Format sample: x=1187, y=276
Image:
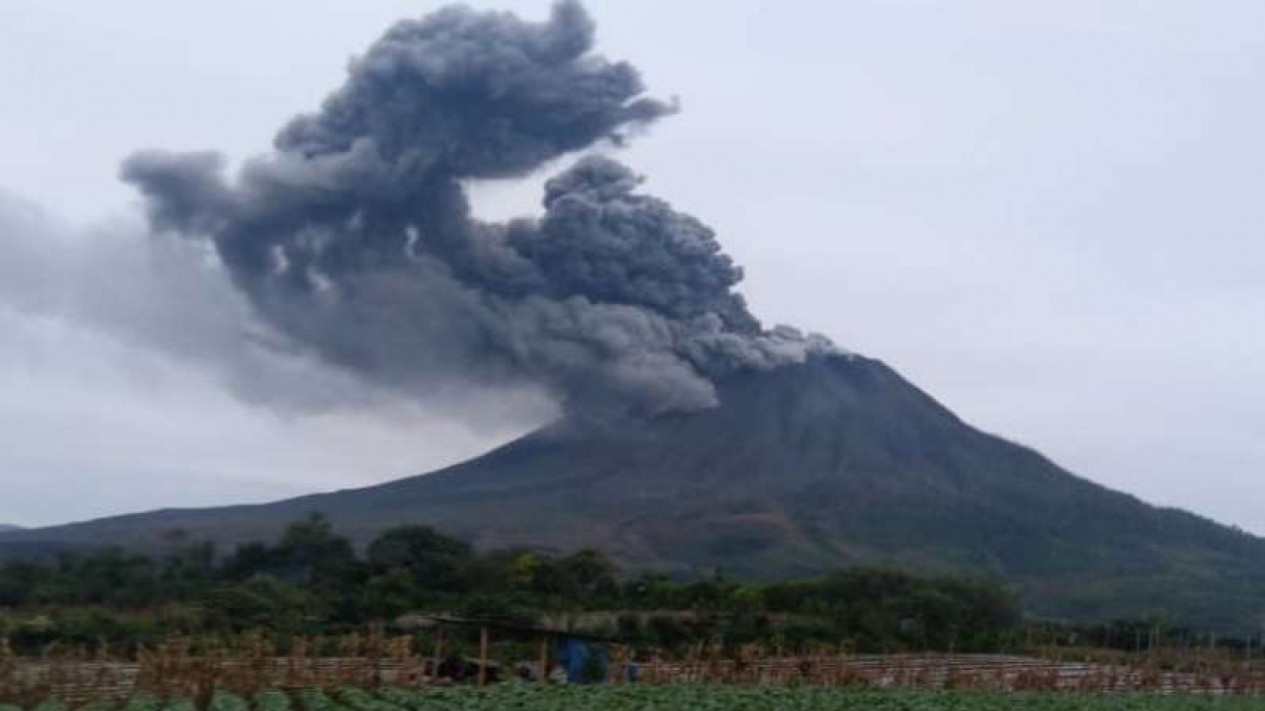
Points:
x=313, y=581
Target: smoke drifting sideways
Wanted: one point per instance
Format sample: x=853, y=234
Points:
x=355, y=239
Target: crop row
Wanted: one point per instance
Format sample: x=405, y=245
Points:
x=537, y=697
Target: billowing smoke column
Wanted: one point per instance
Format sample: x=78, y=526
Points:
x=354, y=238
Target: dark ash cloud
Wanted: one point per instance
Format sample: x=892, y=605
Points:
x=355, y=238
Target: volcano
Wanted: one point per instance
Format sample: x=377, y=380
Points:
x=801, y=470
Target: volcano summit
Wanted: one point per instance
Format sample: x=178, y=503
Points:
x=803, y=469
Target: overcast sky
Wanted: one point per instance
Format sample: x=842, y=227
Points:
x=1047, y=215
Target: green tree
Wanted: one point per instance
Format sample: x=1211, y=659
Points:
x=310, y=552
x=436, y=561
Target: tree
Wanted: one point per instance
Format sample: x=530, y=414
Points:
x=263, y=602
x=249, y=559
x=436, y=561
x=590, y=571
x=391, y=593
x=311, y=553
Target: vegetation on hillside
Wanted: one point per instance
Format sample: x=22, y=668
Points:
x=314, y=581
x=835, y=463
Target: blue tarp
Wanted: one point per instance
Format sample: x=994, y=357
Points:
x=585, y=662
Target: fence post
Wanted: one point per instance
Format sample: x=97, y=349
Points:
x=483, y=655
x=544, y=658
x=439, y=654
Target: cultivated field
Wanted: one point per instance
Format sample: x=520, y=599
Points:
x=538, y=697
x=378, y=673
x=103, y=685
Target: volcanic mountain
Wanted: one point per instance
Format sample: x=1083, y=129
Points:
x=801, y=470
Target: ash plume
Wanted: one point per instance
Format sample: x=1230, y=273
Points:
x=354, y=237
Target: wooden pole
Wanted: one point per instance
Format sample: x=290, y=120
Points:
x=483, y=656
x=544, y=658
x=439, y=654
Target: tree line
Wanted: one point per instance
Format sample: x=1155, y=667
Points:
x=314, y=581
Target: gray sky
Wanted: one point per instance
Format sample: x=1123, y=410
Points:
x=1045, y=214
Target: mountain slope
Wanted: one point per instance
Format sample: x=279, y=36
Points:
x=836, y=462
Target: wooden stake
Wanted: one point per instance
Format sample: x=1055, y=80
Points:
x=439, y=654
x=483, y=656
x=544, y=658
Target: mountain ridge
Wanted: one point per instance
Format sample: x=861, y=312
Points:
x=801, y=470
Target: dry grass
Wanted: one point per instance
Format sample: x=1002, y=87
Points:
x=196, y=668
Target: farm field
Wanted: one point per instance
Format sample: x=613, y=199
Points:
x=532, y=697
x=73, y=684
x=803, y=698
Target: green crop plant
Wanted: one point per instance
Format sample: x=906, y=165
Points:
x=532, y=697
x=272, y=700
x=143, y=702
x=317, y=700
x=681, y=697
x=225, y=701
x=361, y=700
x=401, y=698
x=179, y=704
